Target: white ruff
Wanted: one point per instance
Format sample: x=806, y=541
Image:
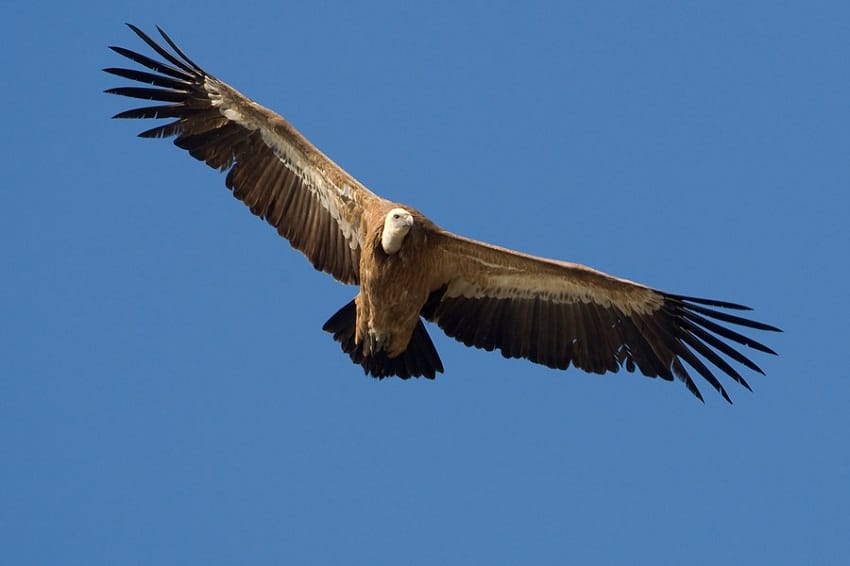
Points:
x=396, y=226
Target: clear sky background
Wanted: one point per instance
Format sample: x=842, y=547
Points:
x=167, y=395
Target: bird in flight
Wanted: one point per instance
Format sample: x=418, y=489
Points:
x=408, y=269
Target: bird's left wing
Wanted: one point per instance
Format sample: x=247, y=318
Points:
x=273, y=169
x=557, y=313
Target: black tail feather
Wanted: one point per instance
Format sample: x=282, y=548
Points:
x=419, y=360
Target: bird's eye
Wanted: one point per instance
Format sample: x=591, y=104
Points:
x=396, y=216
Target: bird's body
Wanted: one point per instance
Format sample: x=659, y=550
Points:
x=392, y=292
x=408, y=268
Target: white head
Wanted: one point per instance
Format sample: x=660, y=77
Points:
x=396, y=226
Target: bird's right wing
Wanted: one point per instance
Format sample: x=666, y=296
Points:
x=557, y=313
x=273, y=169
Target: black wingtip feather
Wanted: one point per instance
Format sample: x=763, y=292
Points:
x=146, y=93
x=149, y=78
x=677, y=369
x=709, y=302
x=720, y=345
x=740, y=321
x=727, y=333
x=156, y=112
x=150, y=63
x=191, y=68
x=177, y=50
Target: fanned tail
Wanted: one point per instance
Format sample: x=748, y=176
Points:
x=419, y=360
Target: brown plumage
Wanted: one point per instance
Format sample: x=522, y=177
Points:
x=550, y=312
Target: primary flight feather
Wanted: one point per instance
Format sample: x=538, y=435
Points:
x=550, y=312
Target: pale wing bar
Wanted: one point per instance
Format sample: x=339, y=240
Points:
x=268, y=167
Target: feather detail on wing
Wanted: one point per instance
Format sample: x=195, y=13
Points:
x=272, y=168
x=557, y=313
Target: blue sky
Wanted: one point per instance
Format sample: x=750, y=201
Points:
x=167, y=394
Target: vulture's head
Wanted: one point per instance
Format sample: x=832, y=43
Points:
x=396, y=226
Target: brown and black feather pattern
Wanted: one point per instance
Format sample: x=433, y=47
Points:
x=270, y=182
x=600, y=339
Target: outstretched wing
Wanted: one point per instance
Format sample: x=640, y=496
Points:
x=556, y=314
x=273, y=169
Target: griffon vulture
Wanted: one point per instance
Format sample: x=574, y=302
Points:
x=550, y=312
